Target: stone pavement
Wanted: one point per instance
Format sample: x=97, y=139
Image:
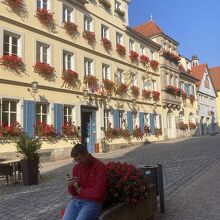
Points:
x=191, y=180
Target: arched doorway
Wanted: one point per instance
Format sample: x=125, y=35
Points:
x=171, y=125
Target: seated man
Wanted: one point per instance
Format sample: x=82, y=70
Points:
x=87, y=185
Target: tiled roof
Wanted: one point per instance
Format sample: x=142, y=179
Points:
x=198, y=71
x=149, y=29
x=186, y=73
x=215, y=75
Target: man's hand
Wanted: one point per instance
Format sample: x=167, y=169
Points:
x=71, y=181
x=76, y=185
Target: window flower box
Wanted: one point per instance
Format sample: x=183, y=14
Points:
x=92, y=82
x=119, y=12
x=45, y=17
x=184, y=95
x=43, y=130
x=90, y=37
x=7, y=132
x=12, y=62
x=70, y=76
x=137, y=133
x=171, y=56
x=106, y=44
x=156, y=96
x=69, y=130
x=133, y=56
x=146, y=94
x=44, y=69
x=106, y=4
x=109, y=85
x=183, y=126
x=121, y=89
x=154, y=64
x=192, y=125
x=71, y=28
x=192, y=98
x=121, y=50
x=15, y=5
x=173, y=90
x=144, y=59
x=135, y=91
x=158, y=132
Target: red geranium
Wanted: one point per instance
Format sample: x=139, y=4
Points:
x=106, y=44
x=14, y=4
x=89, y=36
x=120, y=50
x=138, y=133
x=125, y=183
x=71, y=28
x=144, y=59
x=69, y=129
x=146, y=94
x=44, y=69
x=12, y=62
x=44, y=16
x=135, y=91
x=156, y=96
x=14, y=130
x=133, y=56
x=42, y=129
x=173, y=90
x=154, y=64
x=70, y=76
x=109, y=85
x=121, y=89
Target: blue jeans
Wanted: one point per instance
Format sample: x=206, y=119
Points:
x=78, y=209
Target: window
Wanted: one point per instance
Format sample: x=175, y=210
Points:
x=117, y=5
x=154, y=85
x=134, y=119
x=42, y=4
x=147, y=84
x=119, y=76
x=181, y=117
x=68, y=114
x=104, y=32
x=119, y=38
x=167, y=79
x=11, y=44
x=67, y=13
x=106, y=119
x=87, y=23
x=177, y=82
x=147, y=119
x=105, y=71
x=9, y=112
x=142, y=50
x=134, y=80
x=41, y=112
x=171, y=80
x=182, y=86
x=42, y=52
x=88, y=66
x=153, y=55
x=131, y=45
x=121, y=118
x=68, y=60
x=157, y=121
x=192, y=90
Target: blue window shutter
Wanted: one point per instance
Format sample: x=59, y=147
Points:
x=141, y=119
x=130, y=121
x=58, y=117
x=152, y=125
x=185, y=88
x=29, y=111
x=160, y=120
x=116, y=118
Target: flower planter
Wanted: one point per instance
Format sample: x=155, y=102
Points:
x=12, y=62
x=144, y=209
x=120, y=13
x=144, y=59
x=109, y=85
x=90, y=37
x=44, y=69
x=121, y=89
x=154, y=64
x=71, y=28
x=14, y=4
x=120, y=50
x=106, y=4
x=106, y=44
x=156, y=96
x=70, y=77
x=135, y=91
x=146, y=94
x=133, y=56
x=45, y=17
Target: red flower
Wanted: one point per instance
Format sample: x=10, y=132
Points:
x=91, y=81
x=44, y=69
x=44, y=16
x=183, y=126
x=14, y=4
x=154, y=64
x=171, y=56
x=156, y=95
x=144, y=59
x=106, y=44
x=120, y=50
x=135, y=91
x=71, y=28
x=146, y=94
x=44, y=130
x=133, y=56
x=138, y=133
x=109, y=85
x=70, y=76
x=173, y=90
x=14, y=130
x=89, y=36
x=121, y=89
x=158, y=132
x=192, y=125
x=69, y=129
x=12, y=62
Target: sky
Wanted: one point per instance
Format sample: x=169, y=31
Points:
x=194, y=24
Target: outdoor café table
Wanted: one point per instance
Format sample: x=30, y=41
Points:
x=12, y=163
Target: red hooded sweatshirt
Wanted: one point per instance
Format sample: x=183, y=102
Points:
x=92, y=180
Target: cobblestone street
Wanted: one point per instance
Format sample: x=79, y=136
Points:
x=191, y=180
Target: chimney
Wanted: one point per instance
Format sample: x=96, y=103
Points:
x=195, y=60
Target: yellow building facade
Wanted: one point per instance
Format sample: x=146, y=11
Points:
x=59, y=61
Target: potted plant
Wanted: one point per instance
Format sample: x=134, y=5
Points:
x=29, y=148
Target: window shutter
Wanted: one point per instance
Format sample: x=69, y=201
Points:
x=152, y=125
x=160, y=121
x=141, y=119
x=116, y=118
x=29, y=111
x=130, y=121
x=58, y=117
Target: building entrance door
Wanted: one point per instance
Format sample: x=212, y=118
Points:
x=88, y=127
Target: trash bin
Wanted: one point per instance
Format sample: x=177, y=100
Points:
x=155, y=176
